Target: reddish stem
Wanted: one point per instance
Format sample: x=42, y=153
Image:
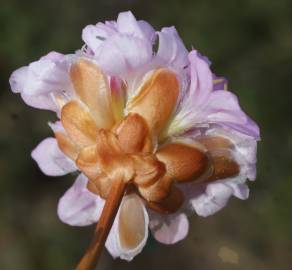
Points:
x=92, y=254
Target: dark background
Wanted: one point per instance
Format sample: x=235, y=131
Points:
x=250, y=42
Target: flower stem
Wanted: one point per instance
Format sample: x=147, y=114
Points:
x=92, y=254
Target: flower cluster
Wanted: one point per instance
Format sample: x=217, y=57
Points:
x=160, y=120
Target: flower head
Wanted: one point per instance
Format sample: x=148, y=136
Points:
x=159, y=121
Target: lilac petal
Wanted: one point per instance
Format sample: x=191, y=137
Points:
x=171, y=50
x=48, y=74
x=194, y=96
x=94, y=35
x=38, y=81
x=114, y=244
x=51, y=160
x=240, y=191
x=120, y=54
x=17, y=83
x=44, y=102
x=201, y=78
x=18, y=79
x=223, y=108
x=148, y=31
x=169, y=229
x=53, y=56
x=127, y=24
x=250, y=128
x=201, y=105
x=212, y=200
x=79, y=206
x=45, y=76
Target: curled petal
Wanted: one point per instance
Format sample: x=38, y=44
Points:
x=51, y=160
x=240, y=191
x=157, y=99
x=203, y=106
x=49, y=74
x=195, y=96
x=92, y=87
x=169, y=229
x=212, y=200
x=94, y=35
x=223, y=108
x=79, y=124
x=127, y=24
x=171, y=50
x=147, y=30
x=120, y=54
x=18, y=80
x=44, y=102
x=129, y=233
x=183, y=162
x=78, y=206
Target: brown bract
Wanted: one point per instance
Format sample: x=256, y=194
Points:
x=106, y=148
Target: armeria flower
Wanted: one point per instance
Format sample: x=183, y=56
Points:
x=160, y=122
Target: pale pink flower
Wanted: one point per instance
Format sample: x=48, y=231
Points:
x=201, y=116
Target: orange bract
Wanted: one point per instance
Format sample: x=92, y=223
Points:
x=106, y=149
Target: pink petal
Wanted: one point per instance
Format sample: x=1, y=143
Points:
x=53, y=56
x=127, y=24
x=51, y=160
x=18, y=79
x=169, y=229
x=120, y=54
x=78, y=206
x=212, y=200
x=223, y=108
x=39, y=80
x=114, y=244
x=94, y=36
x=45, y=76
x=147, y=30
x=240, y=191
x=171, y=50
x=201, y=79
x=202, y=106
x=44, y=102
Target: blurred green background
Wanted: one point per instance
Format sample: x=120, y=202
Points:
x=250, y=42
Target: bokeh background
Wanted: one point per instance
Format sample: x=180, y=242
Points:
x=248, y=41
